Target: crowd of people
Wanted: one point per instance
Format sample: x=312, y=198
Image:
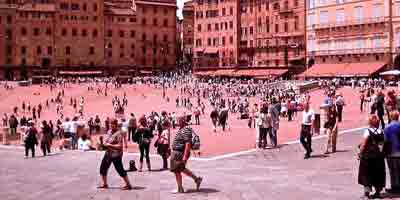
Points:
x=263, y=104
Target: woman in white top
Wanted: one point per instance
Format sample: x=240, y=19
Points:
x=84, y=144
x=163, y=142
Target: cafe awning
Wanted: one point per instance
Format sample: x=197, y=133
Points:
x=344, y=69
x=80, y=72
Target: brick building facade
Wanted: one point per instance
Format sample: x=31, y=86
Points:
x=188, y=31
x=255, y=33
x=74, y=34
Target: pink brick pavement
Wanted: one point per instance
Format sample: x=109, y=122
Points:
x=239, y=138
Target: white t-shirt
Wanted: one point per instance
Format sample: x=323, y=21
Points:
x=308, y=117
x=84, y=145
x=366, y=132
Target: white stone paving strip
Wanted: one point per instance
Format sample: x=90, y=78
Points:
x=229, y=155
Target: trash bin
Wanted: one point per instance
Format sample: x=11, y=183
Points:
x=317, y=123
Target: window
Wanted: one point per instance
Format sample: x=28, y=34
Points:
x=9, y=19
x=358, y=13
x=165, y=11
x=223, y=41
x=165, y=38
x=144, y=37
x=296, y=3
x=231, y=25
x=165, y=22
x=199, y=27
x=121, y=33
x=231, y=11
x=340, y=15
x=286, y=27
x=133, y=33
x=121, y=46
x=48, y=31
x=276, y=28
x=74, y=32
x=94, y=18
x=36, y=31
x=251, y=30
x=64, y=6
x=84, y=33
x=23, y=50
x=74, y=6
x=9, y=50
x=64, y=32
x=67, y=50
x=132, y=19
x=296, y=23
x=323, y=17
x=143, y=21
x=155, y=22
x=121, y=55
x=95, y=33
x=208, y=27
x=155, y=38
x=209, y=41
x=95, y=7
x=216, y=27
x=91, y=51
x=144, y=50
x=223, y=11
x=39, y=50
x=377, y=10
x=50, y=50
x=109, y=33
x=155, y=9
x=311, y=3
x=84, y=7
x=23, y=31
x=230, y=39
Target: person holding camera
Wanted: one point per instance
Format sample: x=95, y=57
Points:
x=113, y=144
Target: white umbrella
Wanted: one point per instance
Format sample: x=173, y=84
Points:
x=394, y=72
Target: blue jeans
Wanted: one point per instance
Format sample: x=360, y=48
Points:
x=74, y=140
x=273, y=135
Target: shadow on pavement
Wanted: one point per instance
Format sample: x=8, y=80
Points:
x=391, y=195
x=203, y=190
x=322, y=156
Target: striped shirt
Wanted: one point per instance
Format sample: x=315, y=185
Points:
x=183, y=136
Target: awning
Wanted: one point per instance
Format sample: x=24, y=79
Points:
x=79, y=72
x=145, y=72
x=362, y=69
x=260, y=72
x=211, y=51
x=344, y=69
x=224, y=72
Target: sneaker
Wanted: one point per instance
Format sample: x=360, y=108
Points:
x=198, y=183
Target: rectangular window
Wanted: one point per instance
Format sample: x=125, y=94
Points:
x=311, y=3
x=358, y=13
x=340, y=15
x=50, y=50
x=208, y=27
x=377, y=10
x=230, y=39
x=251, y=30
x=199, y=27
x=223, y=41
x=216, y=27
x=311, y=19
x=209, y=42
x=323, y=17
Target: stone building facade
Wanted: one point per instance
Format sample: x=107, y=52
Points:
x=57, y=35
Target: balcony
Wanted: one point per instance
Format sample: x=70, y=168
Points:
x=379, y=50
x=289, y=34
x=286, y=10
x=373, y=20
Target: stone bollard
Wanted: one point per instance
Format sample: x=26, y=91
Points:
x=5, y=134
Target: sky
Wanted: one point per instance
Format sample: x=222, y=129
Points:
x=180, y=6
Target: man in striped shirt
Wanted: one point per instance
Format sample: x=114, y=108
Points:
x=181, y=147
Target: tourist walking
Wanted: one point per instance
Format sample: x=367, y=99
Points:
x=306, y=129
x=13, y=124
x=274, y=111
x=143, y=137
x=163, y=143
x=181, y=148
x=113, y=143
x=331, y=129
x=392, y=147
x=45, y=139
x=372, y=161
x=30, y=139
x=340, y=103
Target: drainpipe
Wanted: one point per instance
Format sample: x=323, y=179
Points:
x=391, y=34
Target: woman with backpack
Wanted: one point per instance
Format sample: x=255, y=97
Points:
x=143, y=137
x=372, y=160
x=163, y=141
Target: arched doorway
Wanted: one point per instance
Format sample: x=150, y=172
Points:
x=396, y=63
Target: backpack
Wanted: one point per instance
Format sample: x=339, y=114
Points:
x=195, y=142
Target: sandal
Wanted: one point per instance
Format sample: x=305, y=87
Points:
x=102, y=186
x=126, y=187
